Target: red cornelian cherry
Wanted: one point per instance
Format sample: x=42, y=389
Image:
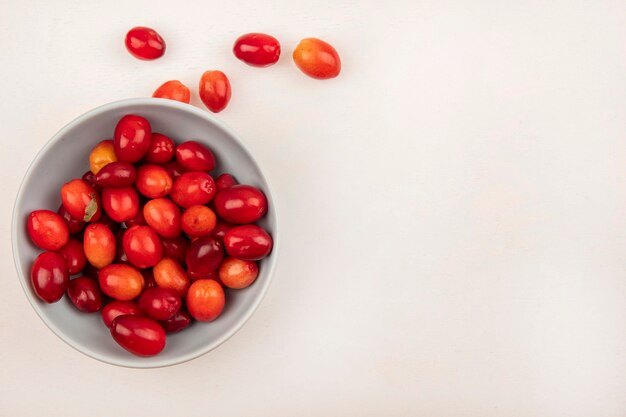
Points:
x=144, y=43
x=85, y=294
x=225, y=181
x=160, y=151
x=142, y=246
x=132, y=138
x=193, y=188
x=173, y=90
x=74, y=255
x=249, y=242
x=214, y=90
x=49, y=276
x=194, y=156
x=257, y=49
x=240, y=204
x=138, y=335
x=118, y=308
x=47, y=230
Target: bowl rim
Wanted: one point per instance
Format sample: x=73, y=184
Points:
x=135, y=362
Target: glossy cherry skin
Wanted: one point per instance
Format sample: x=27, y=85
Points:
x=179, y=321
x=175, y=248
x=220, y=230
x=153, y=181
x=74, y=255
x=159, y=303
x=132, y=138
x=101, y=155
x=237, y=273
x=241, y=204
x=144, y=43
x=317, y=59
x=121, y=204
x=205, y=300
x=121, y=281
x=142, y=246
x=163, y=216
x=73, y=225
x=99, y=245
x=169, y=274
x=198, y=221
x=116, y=175
x=249, y=242
x=174, y=169
x=139, y=335
x=192, y=189
x=215, y=90
x=204, y=255
x=47, y=230
x=173, y=90
x=118, y=308
x=194, y=156
x=81, y=200
x=225, y=181
x=257, y=49
x=49, y=276
x=160, y=151
x=85, y=294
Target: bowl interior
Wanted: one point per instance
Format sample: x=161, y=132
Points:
x=66, y=157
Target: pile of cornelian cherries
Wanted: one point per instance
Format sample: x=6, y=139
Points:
x=150, y=236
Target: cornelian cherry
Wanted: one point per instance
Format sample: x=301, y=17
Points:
x=249, y=242
x=214, y=90
x=115, y=175
x=205, y=300
x=81, y=200
x=49, y=276
x=257, y=49
x=142, y=246
x=237, y=273
x=173, y=90
x=225, y=181
x=160, y=151
x=317, y=59
x=194, y=156
x=99, y=245
x=198, y=221
x=74, y=255
x=118, y=308
x=121, y=204
x=240, y=204
x=153, y=181
x=163, y=216
x=193, y=188
x=132, y=138
x=138, y=335
x=120, y=281
x=85, y=294
x=144, y=43
x=47, y=230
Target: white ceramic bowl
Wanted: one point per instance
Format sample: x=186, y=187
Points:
x=65, y=157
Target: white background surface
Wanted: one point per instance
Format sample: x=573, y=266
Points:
x=453, y=206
